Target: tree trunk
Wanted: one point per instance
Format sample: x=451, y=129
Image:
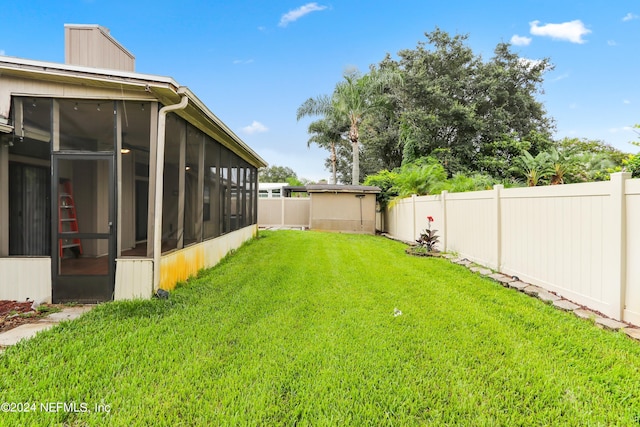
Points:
x=355, y=171
x=333, y=163
x=355, y=167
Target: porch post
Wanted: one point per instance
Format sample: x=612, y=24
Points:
x=151, y=212
x=4, y=200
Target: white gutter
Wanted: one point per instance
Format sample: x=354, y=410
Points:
x=157, y=222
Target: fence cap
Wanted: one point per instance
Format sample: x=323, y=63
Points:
x=334, y=188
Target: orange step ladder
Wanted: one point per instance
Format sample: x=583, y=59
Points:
x=68, y=220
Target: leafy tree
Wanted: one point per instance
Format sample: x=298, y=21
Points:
x=276, y=174
x=354, y=98
x=589, y=160
x=468, y=113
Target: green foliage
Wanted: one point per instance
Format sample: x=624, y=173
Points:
x=276, y=174
x=534, y=170
x=460, y=183
x=386, y=181
x=424, y=176
x=455, y=105
x=632, y=164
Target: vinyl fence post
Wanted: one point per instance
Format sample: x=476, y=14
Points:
x=413, y=214
x=498, y=224
x=617, y=253
x=443, y=215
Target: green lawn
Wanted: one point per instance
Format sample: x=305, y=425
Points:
x=299, y=328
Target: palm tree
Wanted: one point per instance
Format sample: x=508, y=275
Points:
x=354, y=98
x=534, y=169
x=326, y=133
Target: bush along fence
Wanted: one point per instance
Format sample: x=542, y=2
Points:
x=578, y=241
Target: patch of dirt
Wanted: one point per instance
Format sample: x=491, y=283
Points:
x=13, y=313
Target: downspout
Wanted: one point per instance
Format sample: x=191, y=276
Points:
x=157, y=223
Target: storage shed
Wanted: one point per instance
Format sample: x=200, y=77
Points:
x=343, y=208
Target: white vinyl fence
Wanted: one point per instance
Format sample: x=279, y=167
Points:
x=581, y=241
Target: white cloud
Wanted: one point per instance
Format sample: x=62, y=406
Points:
x=561, y=77
x=294, y=15
x=626, y=101
x=612, y=43
x=242, y=61
x=255, y=127
x=520, y=40
x=622, y=129
x=629, y=17
x=571, y=31
x=2, y=52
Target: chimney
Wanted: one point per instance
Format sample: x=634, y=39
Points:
x=93, y=46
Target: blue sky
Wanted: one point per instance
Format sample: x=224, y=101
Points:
x=254, y=62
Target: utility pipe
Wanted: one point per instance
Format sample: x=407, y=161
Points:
x=157, y=222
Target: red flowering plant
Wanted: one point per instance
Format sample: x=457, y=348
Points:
x=428, y=238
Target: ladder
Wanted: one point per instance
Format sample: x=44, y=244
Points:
x=68, y=221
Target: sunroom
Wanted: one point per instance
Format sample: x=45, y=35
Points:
x=113, y=184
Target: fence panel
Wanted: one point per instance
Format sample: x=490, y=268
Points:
x=472, y=226
x=284, y=211
x=269, y=212
x=555, y=237
x=426, y=206
x=580, y=240
x=632, y=297
x=297, y=211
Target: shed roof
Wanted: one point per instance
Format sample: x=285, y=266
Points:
x=334, y=188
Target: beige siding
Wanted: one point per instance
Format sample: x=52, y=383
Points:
x=134, y=278
x=24, y=278
x=92, y=46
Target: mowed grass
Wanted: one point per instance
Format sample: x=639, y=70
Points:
x=298, y=328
